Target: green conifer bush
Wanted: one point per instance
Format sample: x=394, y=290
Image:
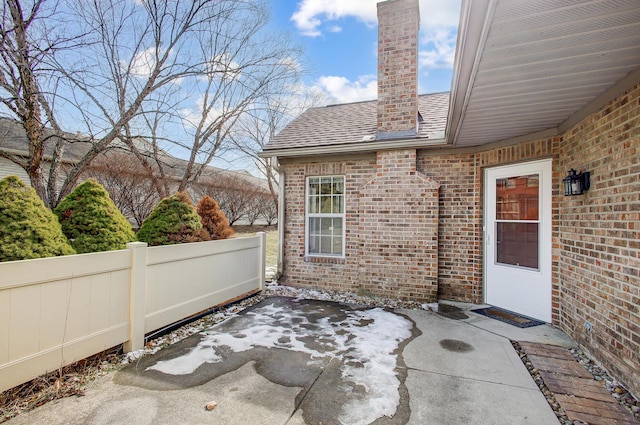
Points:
x=174, y=220
x=28, y=229
x=92, y=221
x=213, y=218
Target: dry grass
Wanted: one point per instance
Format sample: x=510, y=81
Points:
x=68, y=381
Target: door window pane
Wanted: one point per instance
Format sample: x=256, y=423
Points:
x=517, y=244
x=517, y=198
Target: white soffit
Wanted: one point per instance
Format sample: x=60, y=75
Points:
x=537, y=63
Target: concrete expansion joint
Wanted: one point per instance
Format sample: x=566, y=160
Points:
x=466, y=378
x=487, y=331
x=305, y=392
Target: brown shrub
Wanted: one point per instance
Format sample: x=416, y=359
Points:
x=213, y=218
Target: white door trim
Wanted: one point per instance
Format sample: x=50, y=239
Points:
x=525, y=291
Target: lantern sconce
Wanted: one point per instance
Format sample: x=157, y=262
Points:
x=576, y=183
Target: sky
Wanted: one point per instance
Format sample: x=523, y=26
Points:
x=339, y=38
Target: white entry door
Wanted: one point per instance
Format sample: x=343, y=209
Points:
x=517, y=238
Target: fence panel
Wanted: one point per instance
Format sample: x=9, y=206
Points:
x=56, y=311
x=186, y=279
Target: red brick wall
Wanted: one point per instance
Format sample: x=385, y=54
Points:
x=459, y=238
x=398, y=226
x=460, y=232
x=390, y=235
x=538, y=149
x=599, y=237
x=398, y=25
x=596, y=236
x=323, y=273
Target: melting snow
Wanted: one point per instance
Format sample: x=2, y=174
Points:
x=365, y=342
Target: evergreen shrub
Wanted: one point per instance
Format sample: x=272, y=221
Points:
x=174, y=220
x=28, y=229
x=92, y=221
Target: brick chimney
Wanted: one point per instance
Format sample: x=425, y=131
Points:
x=398, y=26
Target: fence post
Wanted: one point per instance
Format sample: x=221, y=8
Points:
x=263, y=258
x=138, y=281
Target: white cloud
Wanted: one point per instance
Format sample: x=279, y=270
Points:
x=310, y=14
x=291, y=63
x=439, y=13
x=438, y=30
x=224, y=66
x=142, y=63
x=437, y=49
x=345, y=91
x=438, y=23
x=192, y=117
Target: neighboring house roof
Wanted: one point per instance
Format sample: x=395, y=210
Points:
x=533, y=69
x=14, y=139
x=352, y=127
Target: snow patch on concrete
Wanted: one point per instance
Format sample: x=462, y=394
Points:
x=365, y=341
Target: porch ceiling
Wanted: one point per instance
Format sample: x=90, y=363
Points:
x=534, y=67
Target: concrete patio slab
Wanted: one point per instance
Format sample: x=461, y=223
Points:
x=243, y=397
x=463, y=374
x=544, y=334
x=446, y=399
x=294, y=362
x=479, y=355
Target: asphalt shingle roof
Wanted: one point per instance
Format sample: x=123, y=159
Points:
x=354, y=123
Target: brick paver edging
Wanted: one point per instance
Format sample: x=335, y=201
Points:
x=570, y=389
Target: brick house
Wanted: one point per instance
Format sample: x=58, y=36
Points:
x=460, y=196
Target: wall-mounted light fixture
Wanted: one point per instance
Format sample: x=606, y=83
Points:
x=576, y=183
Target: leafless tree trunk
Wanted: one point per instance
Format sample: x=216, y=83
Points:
x=125, y=56
x=22, y=63
x=269, y=212
x=254, y=206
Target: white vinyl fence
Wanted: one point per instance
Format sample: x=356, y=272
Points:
x=56, y=311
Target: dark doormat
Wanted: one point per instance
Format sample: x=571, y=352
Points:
x=509, y=317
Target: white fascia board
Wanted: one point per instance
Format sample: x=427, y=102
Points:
x=353, y=148
x=473, y=29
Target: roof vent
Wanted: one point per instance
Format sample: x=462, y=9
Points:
x=369, y=138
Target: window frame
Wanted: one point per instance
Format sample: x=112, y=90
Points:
x=308, y=216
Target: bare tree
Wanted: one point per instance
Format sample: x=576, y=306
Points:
x=245, y=65
x=126, y=60
x=128, y=184
x=29, y=36
x=234, y=194
x=259, y=125
x=253, y=209
x=268, y=211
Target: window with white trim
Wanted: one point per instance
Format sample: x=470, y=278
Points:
x=324, y=233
